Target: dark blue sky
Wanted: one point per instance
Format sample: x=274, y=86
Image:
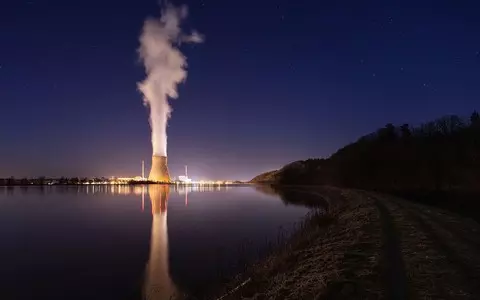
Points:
x=275, y=81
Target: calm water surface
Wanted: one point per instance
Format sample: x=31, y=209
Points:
x=119, y=242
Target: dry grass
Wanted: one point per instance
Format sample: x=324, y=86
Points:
x=333, y=255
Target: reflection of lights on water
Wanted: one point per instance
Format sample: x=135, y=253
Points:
x=143, y=198
x=138, y=190
x=124, y=189
x=184, y=190
x=158, y=284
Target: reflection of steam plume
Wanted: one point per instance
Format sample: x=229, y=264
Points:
x=158, y=284
x=165, y=68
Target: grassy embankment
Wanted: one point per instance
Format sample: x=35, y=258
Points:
x=334, y=252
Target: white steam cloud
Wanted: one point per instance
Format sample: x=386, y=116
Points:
x=165, y=66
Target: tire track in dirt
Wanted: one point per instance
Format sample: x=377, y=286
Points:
x=394, y=270
x=441, y=265
x=469, y=273
x=447, y=223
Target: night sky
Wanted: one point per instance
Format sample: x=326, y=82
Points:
x=274, y=82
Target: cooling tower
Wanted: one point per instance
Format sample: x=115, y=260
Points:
x=159, y=171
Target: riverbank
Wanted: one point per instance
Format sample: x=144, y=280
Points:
x=366, y=245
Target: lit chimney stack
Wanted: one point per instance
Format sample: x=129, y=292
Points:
x=159, y=171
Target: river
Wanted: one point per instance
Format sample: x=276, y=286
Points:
x=129, y=242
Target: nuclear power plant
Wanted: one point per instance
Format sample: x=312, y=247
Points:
x=165, y=68
x=159, y=171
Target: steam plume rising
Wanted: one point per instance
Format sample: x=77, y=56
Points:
x=165, y=67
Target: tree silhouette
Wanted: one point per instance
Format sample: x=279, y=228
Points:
x=475, y=119
x=11, y=180
x=440, y=155
x=40, y=180
x=405, y=131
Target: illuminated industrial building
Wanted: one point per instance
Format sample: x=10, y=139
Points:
x=184, y=178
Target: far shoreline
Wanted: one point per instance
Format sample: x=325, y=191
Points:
x=127, y=184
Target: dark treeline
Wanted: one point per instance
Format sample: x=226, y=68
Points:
x=436, y=158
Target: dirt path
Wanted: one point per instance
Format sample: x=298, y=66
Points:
x=440, y=252
x=394, y=267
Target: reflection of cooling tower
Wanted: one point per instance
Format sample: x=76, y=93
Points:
x=158, y=285
x=159, y=198
x=159, y=171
